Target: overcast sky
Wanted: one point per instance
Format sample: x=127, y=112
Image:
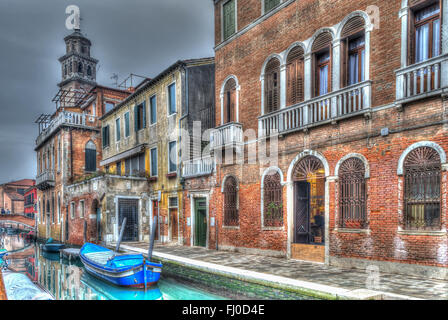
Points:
x=128, y=36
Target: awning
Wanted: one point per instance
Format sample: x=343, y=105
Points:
x=123, y=155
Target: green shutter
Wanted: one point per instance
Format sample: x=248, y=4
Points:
x=126, y=124
x=135, y=118
x=144, y=114
x=229, y=19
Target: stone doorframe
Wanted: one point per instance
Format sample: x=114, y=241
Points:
x=193, y=197
x=290, y=200
x=117, y=216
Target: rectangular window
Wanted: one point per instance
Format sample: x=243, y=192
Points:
x=72, y=210
x=427, y=33
x=172, y=154
x=127, y=167
x=173, y=202
x=119, y=168
x=270, y=4
x=141, y=163
x=229, y=21
x=117, y=130
x=126, y=125
x=82, y=209
x=106, y=136
x=153, y=111
x=172, y=99
x=356, y=58
x=323, y=73
x=140, y=116
x=154, y=172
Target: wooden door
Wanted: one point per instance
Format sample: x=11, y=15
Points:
x=155, y=213
x=200, y=238
x=173, y=220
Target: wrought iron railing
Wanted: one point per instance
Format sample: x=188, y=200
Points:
x=422, y=78
x=350, y=100
x=197, y=167
x=66, y=118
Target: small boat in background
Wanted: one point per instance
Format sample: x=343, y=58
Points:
x=52, y=247
x=125, y=270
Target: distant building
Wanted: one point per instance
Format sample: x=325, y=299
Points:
x=30, y=204
x=12, y=196
x=68, y=146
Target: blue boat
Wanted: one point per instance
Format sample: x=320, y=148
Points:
x=125, y=270
x=3, y=252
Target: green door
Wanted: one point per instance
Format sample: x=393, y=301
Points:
x=200, y=222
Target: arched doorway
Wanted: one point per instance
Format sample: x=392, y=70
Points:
x=309, y=210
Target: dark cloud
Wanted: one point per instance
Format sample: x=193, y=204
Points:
x=128, y=36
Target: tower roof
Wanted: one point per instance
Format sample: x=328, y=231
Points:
x=76, y=34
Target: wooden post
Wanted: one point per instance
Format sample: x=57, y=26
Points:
x=121, y=235
x=151, y=241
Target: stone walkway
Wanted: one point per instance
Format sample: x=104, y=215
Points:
x=351, y=279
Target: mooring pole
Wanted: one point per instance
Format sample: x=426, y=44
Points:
x=151, y=241
x=121, y=235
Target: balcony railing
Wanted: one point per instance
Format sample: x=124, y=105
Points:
x=197, y=167
x=45, y=180
x=349, y=101
x=228, y=135
x=66, y=118
x=422, y=79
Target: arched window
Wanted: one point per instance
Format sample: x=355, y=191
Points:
x=272, y=86
x=80, y=67
x=231, y=216
x=273, y=200
x=295, y=76
x=422, y=174
x=322, y=52
x=352, y=194
x=70, y=67
x=353, y=51
x=90, y=153
x=65, y=70
x=229, y=101
x=89, y=71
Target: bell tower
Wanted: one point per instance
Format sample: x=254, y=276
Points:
x=78, y=67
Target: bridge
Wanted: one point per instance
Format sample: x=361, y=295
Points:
x=17, y=221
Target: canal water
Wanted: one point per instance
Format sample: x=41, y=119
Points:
x=69, y=281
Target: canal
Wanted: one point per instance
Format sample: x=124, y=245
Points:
x=68, y=280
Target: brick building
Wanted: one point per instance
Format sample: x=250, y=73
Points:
x=68, y=146
x=30, y=204
x=12, y=199
x=354, y=103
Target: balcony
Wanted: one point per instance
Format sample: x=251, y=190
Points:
x=68, y=119
x=198, y=167
x=340, y=104
x=422, y=80
x=45, y=180
x=227, y=136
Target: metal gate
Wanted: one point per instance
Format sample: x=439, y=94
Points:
x=200, y=236
x=302, y=213
x=128, y=208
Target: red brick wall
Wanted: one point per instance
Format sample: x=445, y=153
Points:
x=420, y=121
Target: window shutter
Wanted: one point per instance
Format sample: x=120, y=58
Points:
x=229, y=19
x=353, y=26
x=294, y=71
x=144, y=114
x=272, y=84
x=411, y=38
x=344, y=60
x=135, y=118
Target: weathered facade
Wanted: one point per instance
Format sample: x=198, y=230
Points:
x=68, y=145
x=12, y=199
x=354, y=103
x=141, y=141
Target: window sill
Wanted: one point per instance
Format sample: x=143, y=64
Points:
x=152, y=179
x=359, y=231
x=422, y=233
x=171, y=175
x=231, y=227
x=272, y=228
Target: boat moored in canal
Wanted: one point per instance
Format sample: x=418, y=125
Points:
x=52, y=247
x=125, y=270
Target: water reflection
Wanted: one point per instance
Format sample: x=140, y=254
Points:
x=67, y=280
